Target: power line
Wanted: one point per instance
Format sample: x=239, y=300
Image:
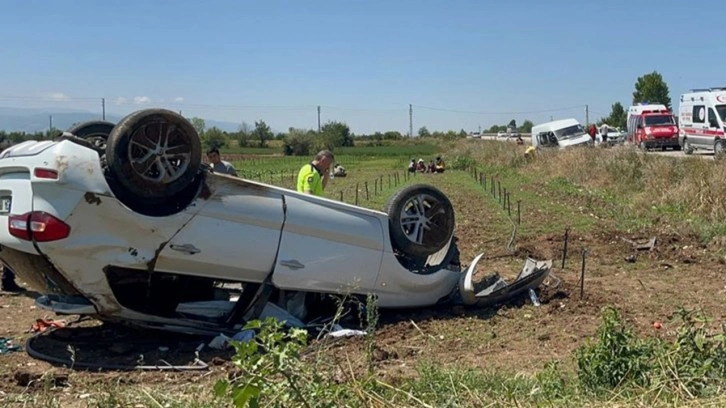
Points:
x=500, y=113
x=50, y=98
x=356, y=109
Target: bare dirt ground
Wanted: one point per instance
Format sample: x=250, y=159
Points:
x=515, y=337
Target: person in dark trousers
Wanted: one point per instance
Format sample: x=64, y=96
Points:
x=8, y=281
x=592, y=131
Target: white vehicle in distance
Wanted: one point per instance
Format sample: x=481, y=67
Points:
x=615, y=136
x=560, y=134
x=501, y=135
x=124, y=223
x=702, y=120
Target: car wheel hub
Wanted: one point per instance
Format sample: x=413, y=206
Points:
x=159, y=155
x=418, y=218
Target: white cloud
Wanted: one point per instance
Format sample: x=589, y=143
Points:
x=56, y=96
x=120, y=100
x=178, y=99
x=141, y=100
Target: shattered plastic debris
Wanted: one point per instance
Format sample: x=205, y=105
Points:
x=6, y=345
x=41, y=325
x=338, y=331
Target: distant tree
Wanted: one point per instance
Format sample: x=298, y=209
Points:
x=392, y=135
x=618, y=117
x=299, y=142
x=526, y=126
x=423, y=132
x=652, y=88
x=214, y=136
x=377, y=139
x=245, y=127
x=244, y=135
x=462, y=133
x=280, y=136
x=512, y=123
x=199, y=125
x=335, y=134
x=262, y=133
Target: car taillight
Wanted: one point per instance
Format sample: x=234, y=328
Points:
x=39, y=226
x=46, y=173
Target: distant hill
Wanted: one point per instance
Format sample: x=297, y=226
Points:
x=32, y=120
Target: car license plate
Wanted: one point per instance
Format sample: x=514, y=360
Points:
x=5, y=205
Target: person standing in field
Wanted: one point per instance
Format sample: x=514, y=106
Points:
x=604, y=133
x=592, y=131
x=313, y=177
x=219, y=165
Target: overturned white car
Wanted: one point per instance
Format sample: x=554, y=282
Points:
x=124, y=223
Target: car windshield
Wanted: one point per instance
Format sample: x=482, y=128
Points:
x=570, y=132
x=659, y=120
x=721, y=109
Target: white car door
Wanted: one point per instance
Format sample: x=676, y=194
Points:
x=235, y=236
x=328, y=247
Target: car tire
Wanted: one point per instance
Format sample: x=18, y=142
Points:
x=687, y=147
x=719, y=149
x=154, y=154
x=95, y=132
x=407, y=231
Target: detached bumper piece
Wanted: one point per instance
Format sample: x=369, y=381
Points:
x=494, y=289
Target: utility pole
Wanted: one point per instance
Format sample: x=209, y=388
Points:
x=50, y=123
x=552, y=118
x=103, y=107
x=479, y=129
x=410, y=120
x=587, y=115
x=318, y=118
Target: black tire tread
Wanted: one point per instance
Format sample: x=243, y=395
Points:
x=398, y=238
x=93, y=127
x=118, y=164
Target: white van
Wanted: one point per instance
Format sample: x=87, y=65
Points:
x=702, y=120
x=560, y=133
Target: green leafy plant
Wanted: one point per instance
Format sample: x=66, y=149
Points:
x=617, y=357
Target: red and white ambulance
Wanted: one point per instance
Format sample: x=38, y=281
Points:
x=652, y=125
x=702, y=116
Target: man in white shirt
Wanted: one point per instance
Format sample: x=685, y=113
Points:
x=219, y=165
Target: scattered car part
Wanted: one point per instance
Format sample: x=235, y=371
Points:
x=495, y=289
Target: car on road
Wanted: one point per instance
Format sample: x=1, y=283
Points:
x=125, y=223
x=615, y=136
x=501, y=135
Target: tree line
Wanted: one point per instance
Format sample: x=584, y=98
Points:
x=650, y=88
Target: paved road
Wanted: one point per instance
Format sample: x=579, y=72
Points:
x=672, y=153
x=667, y=153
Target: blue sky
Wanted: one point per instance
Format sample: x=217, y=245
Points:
x=364, y=62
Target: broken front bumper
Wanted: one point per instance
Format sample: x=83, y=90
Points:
x=495, y=290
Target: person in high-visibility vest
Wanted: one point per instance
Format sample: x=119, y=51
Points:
x=313, y=177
